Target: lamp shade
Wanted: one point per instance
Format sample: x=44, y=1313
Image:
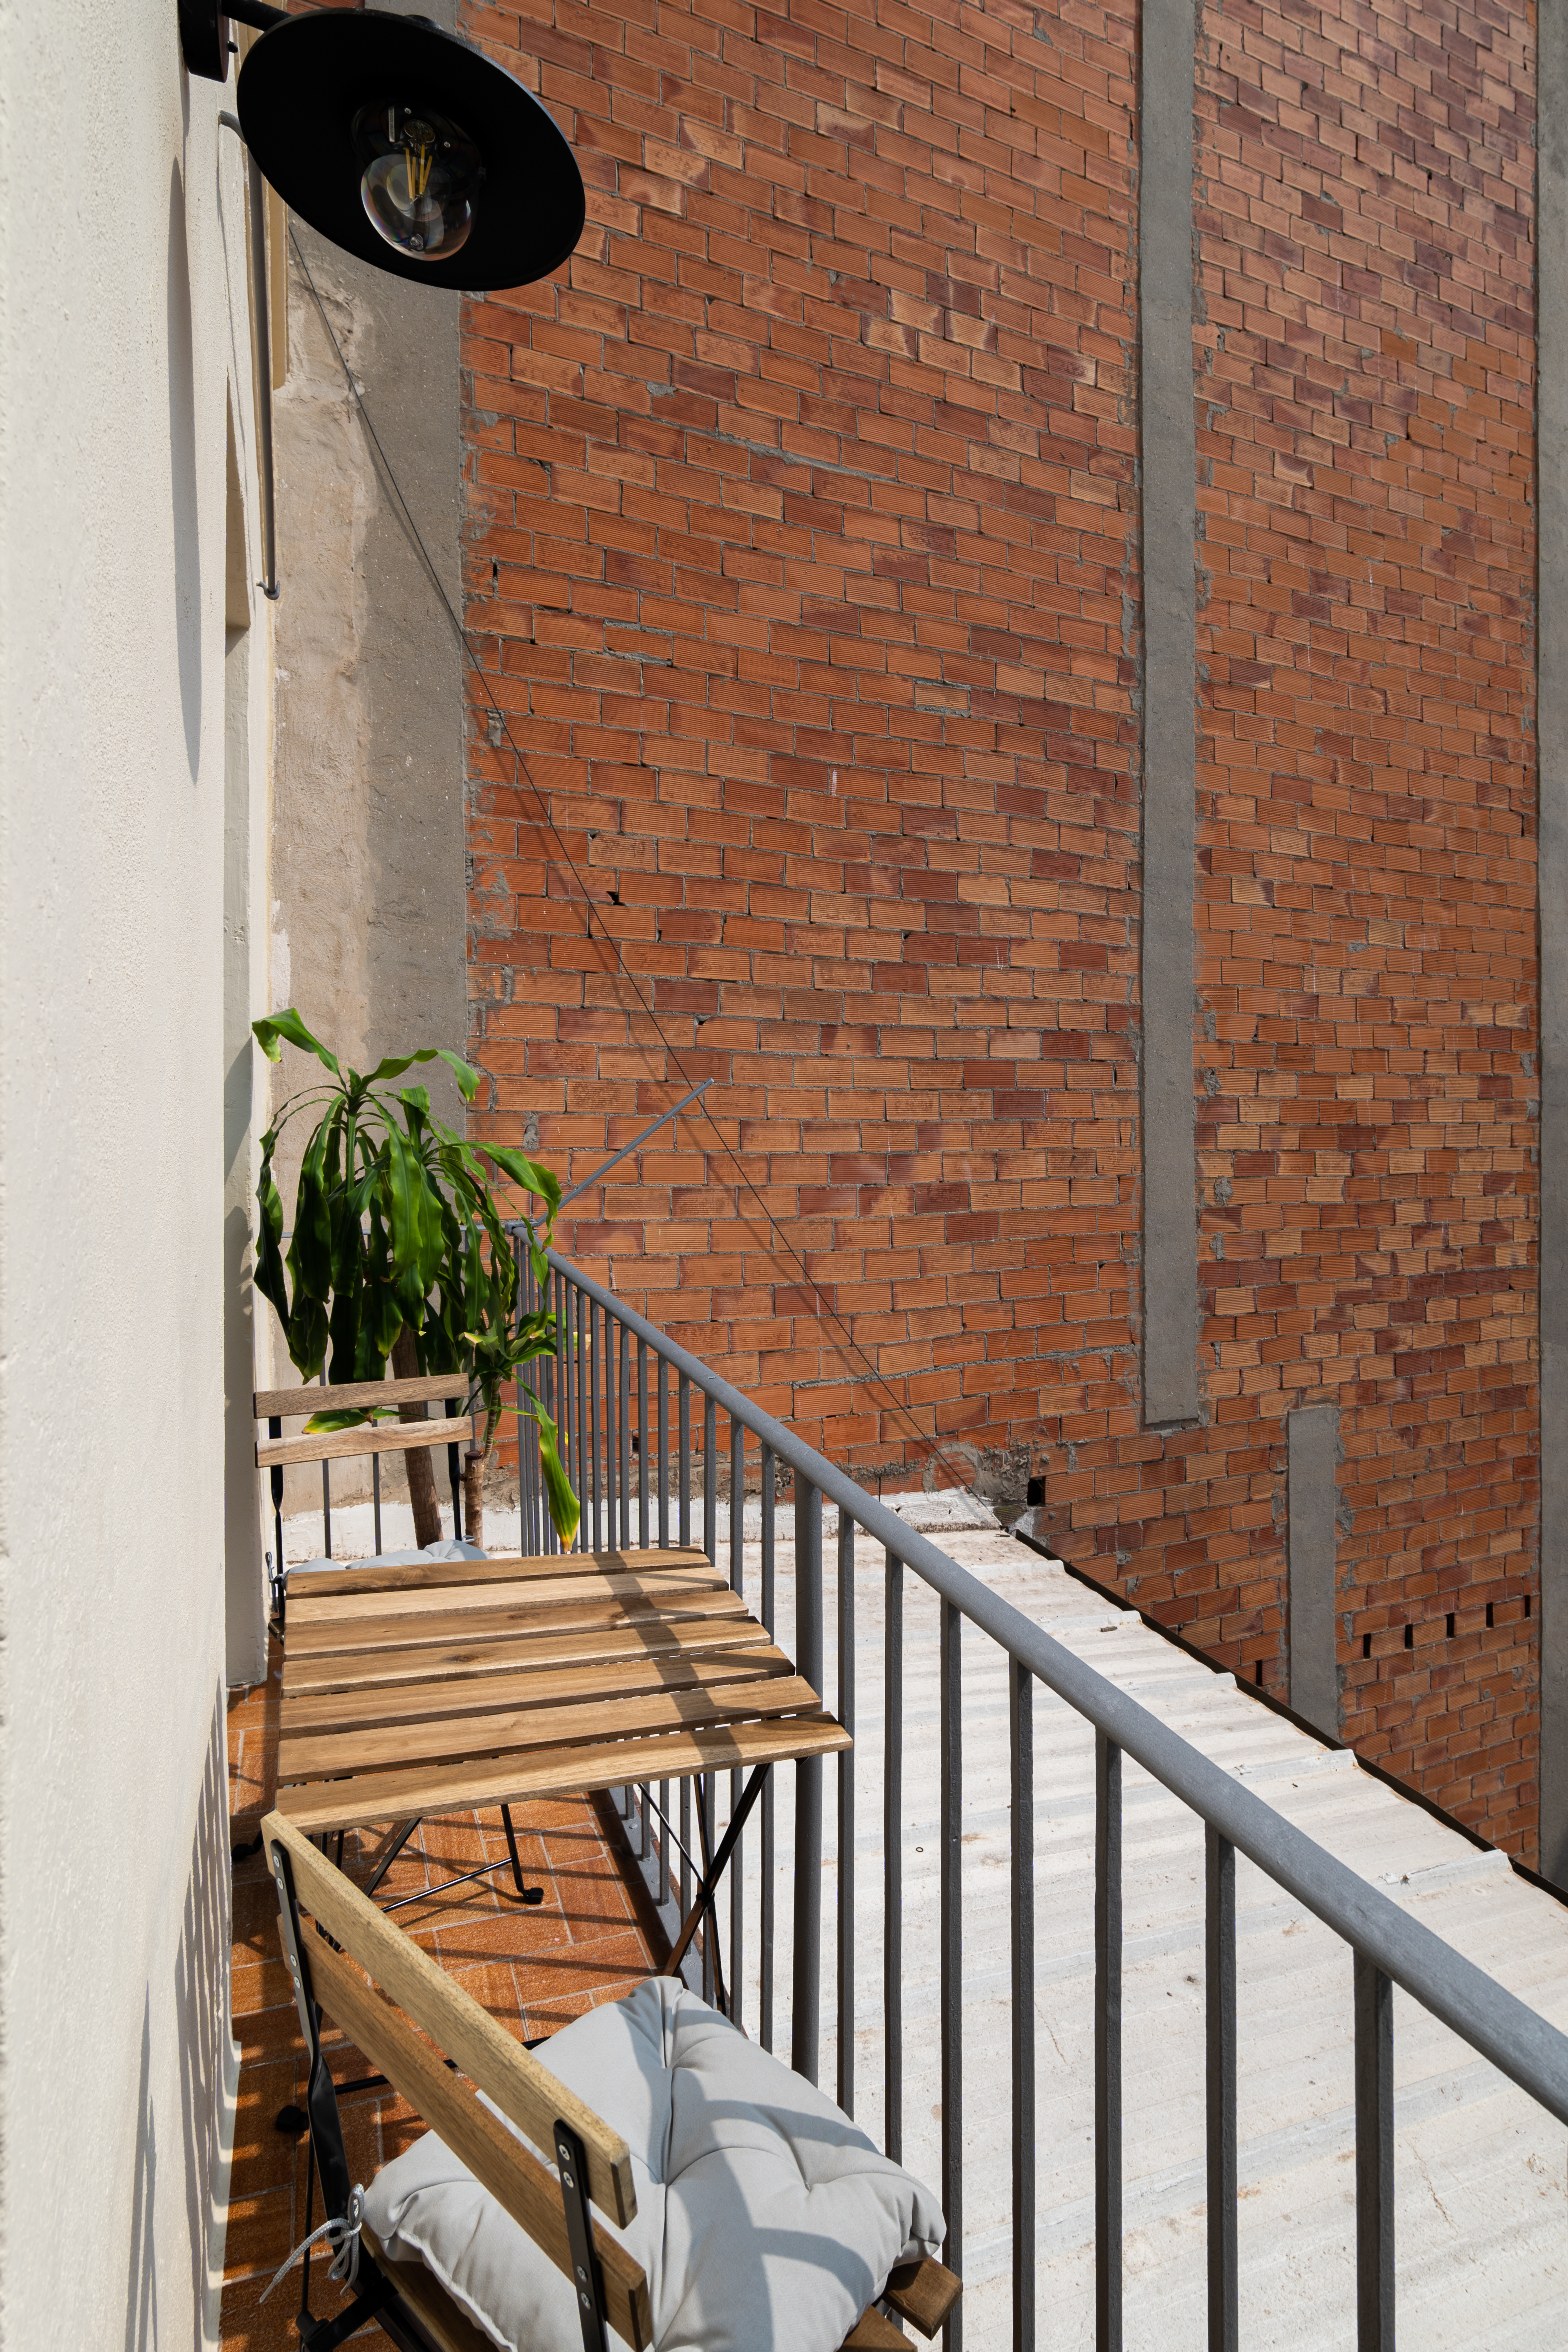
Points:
x=407, y=147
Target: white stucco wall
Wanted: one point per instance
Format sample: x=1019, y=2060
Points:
x=124, y=322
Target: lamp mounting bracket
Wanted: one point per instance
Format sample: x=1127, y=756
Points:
x=204, y=31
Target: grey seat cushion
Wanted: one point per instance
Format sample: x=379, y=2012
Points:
x=766, y=2222
x=445, y=1549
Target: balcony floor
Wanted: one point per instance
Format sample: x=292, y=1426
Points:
x=534, y=1969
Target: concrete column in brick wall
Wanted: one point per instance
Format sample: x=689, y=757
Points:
x=1170, y=1234
x=1312, y=1449
x=1551, y=458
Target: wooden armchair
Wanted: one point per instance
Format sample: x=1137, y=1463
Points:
x=409, y=1991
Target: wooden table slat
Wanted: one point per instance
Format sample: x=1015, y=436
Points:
x=583, y=1613
x=650, y=1633
x=500, y=1568
x=320, y=1756
x=408, y=1703
x=313, y=1606
x=315, y=1806
x=453, y=1685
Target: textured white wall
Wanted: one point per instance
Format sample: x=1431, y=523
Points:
x=123, y=316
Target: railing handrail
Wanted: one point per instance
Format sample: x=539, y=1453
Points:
x=1523, y=2045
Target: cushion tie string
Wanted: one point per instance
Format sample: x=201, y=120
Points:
x=342, y=2235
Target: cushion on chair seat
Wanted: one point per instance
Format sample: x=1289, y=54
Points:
x=445, y=1549
x=765, y=2222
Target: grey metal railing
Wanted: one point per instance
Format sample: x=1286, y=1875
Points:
x=600, y=1398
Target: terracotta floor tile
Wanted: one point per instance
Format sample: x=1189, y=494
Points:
x=533, y=1968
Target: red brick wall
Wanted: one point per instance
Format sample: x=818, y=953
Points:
x=803, y=557
x=1366, y=904
x=801, y=534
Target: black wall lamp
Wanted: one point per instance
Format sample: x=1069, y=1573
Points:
x=397, y=142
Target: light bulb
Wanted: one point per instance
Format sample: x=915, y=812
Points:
x=421, y=179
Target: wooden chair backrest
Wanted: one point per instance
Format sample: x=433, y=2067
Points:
x=373, y=1437
x=406, y=1984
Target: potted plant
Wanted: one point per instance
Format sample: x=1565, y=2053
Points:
x=398, y=1254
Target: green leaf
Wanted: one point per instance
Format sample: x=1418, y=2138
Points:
x=564, y=1509
x=530, y=1173
x=271, y=1034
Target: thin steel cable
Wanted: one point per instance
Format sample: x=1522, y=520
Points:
x=848, y=1345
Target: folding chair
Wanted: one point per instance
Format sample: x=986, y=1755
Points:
x=274, y=1406
x=859, y=2247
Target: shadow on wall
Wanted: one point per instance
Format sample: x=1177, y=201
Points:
x=200, y=2023
x=182, y=475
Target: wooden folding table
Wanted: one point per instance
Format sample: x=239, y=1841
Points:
x=460, y=1685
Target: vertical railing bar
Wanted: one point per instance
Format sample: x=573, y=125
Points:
x=664, y=1843
x=1106, y=2043
x=683, y=1451
x=806, y=2007
x=643, y=1520
x=580, y=1407
x=710, y=1479
x=612, y=1527
x=1374, y=2157
x=563, y=1372
x=625, y=1405
x=663, y=1387
x=1219, y=1938
x=375, y=1496
x=846, y=1696
x=685, y=1847
x=554, y=1389
x=710, y=1925
x=893, y=1861
x=524, y=1426
x=765, y=1926
x=327, y=1498
x=951, y=1900
x=737, y=1581
x=737, y=1506
x=595, y=1368
x=1021, y=1694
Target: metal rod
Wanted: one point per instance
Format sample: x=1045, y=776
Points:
x=594, y=1369
x=624, y=1337
x=952, y=1769
x=1219, y=1917
x=612, y=1436
x=806, y=1993
x=580, y=1414
x=765, y=1924
x=893, y=1861
x=1523, y=2045
x=1374, y=2157
x=375, y=1496
x=683, y=1405
x=713, y=1871
x=1107, y=2044
x=663, y=1388
x=326, y=1496
x=1021, y=1710
x=712, y=1969
x=845, y=1953
x=628, y=1149
x=685, y=1847
x=737, y=1581
x=710, y=1479
x=261, y=326
x=664, y=1843
x=643, y=1537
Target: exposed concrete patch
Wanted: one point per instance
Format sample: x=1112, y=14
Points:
x=1312, y=1445
x=1170, y=675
